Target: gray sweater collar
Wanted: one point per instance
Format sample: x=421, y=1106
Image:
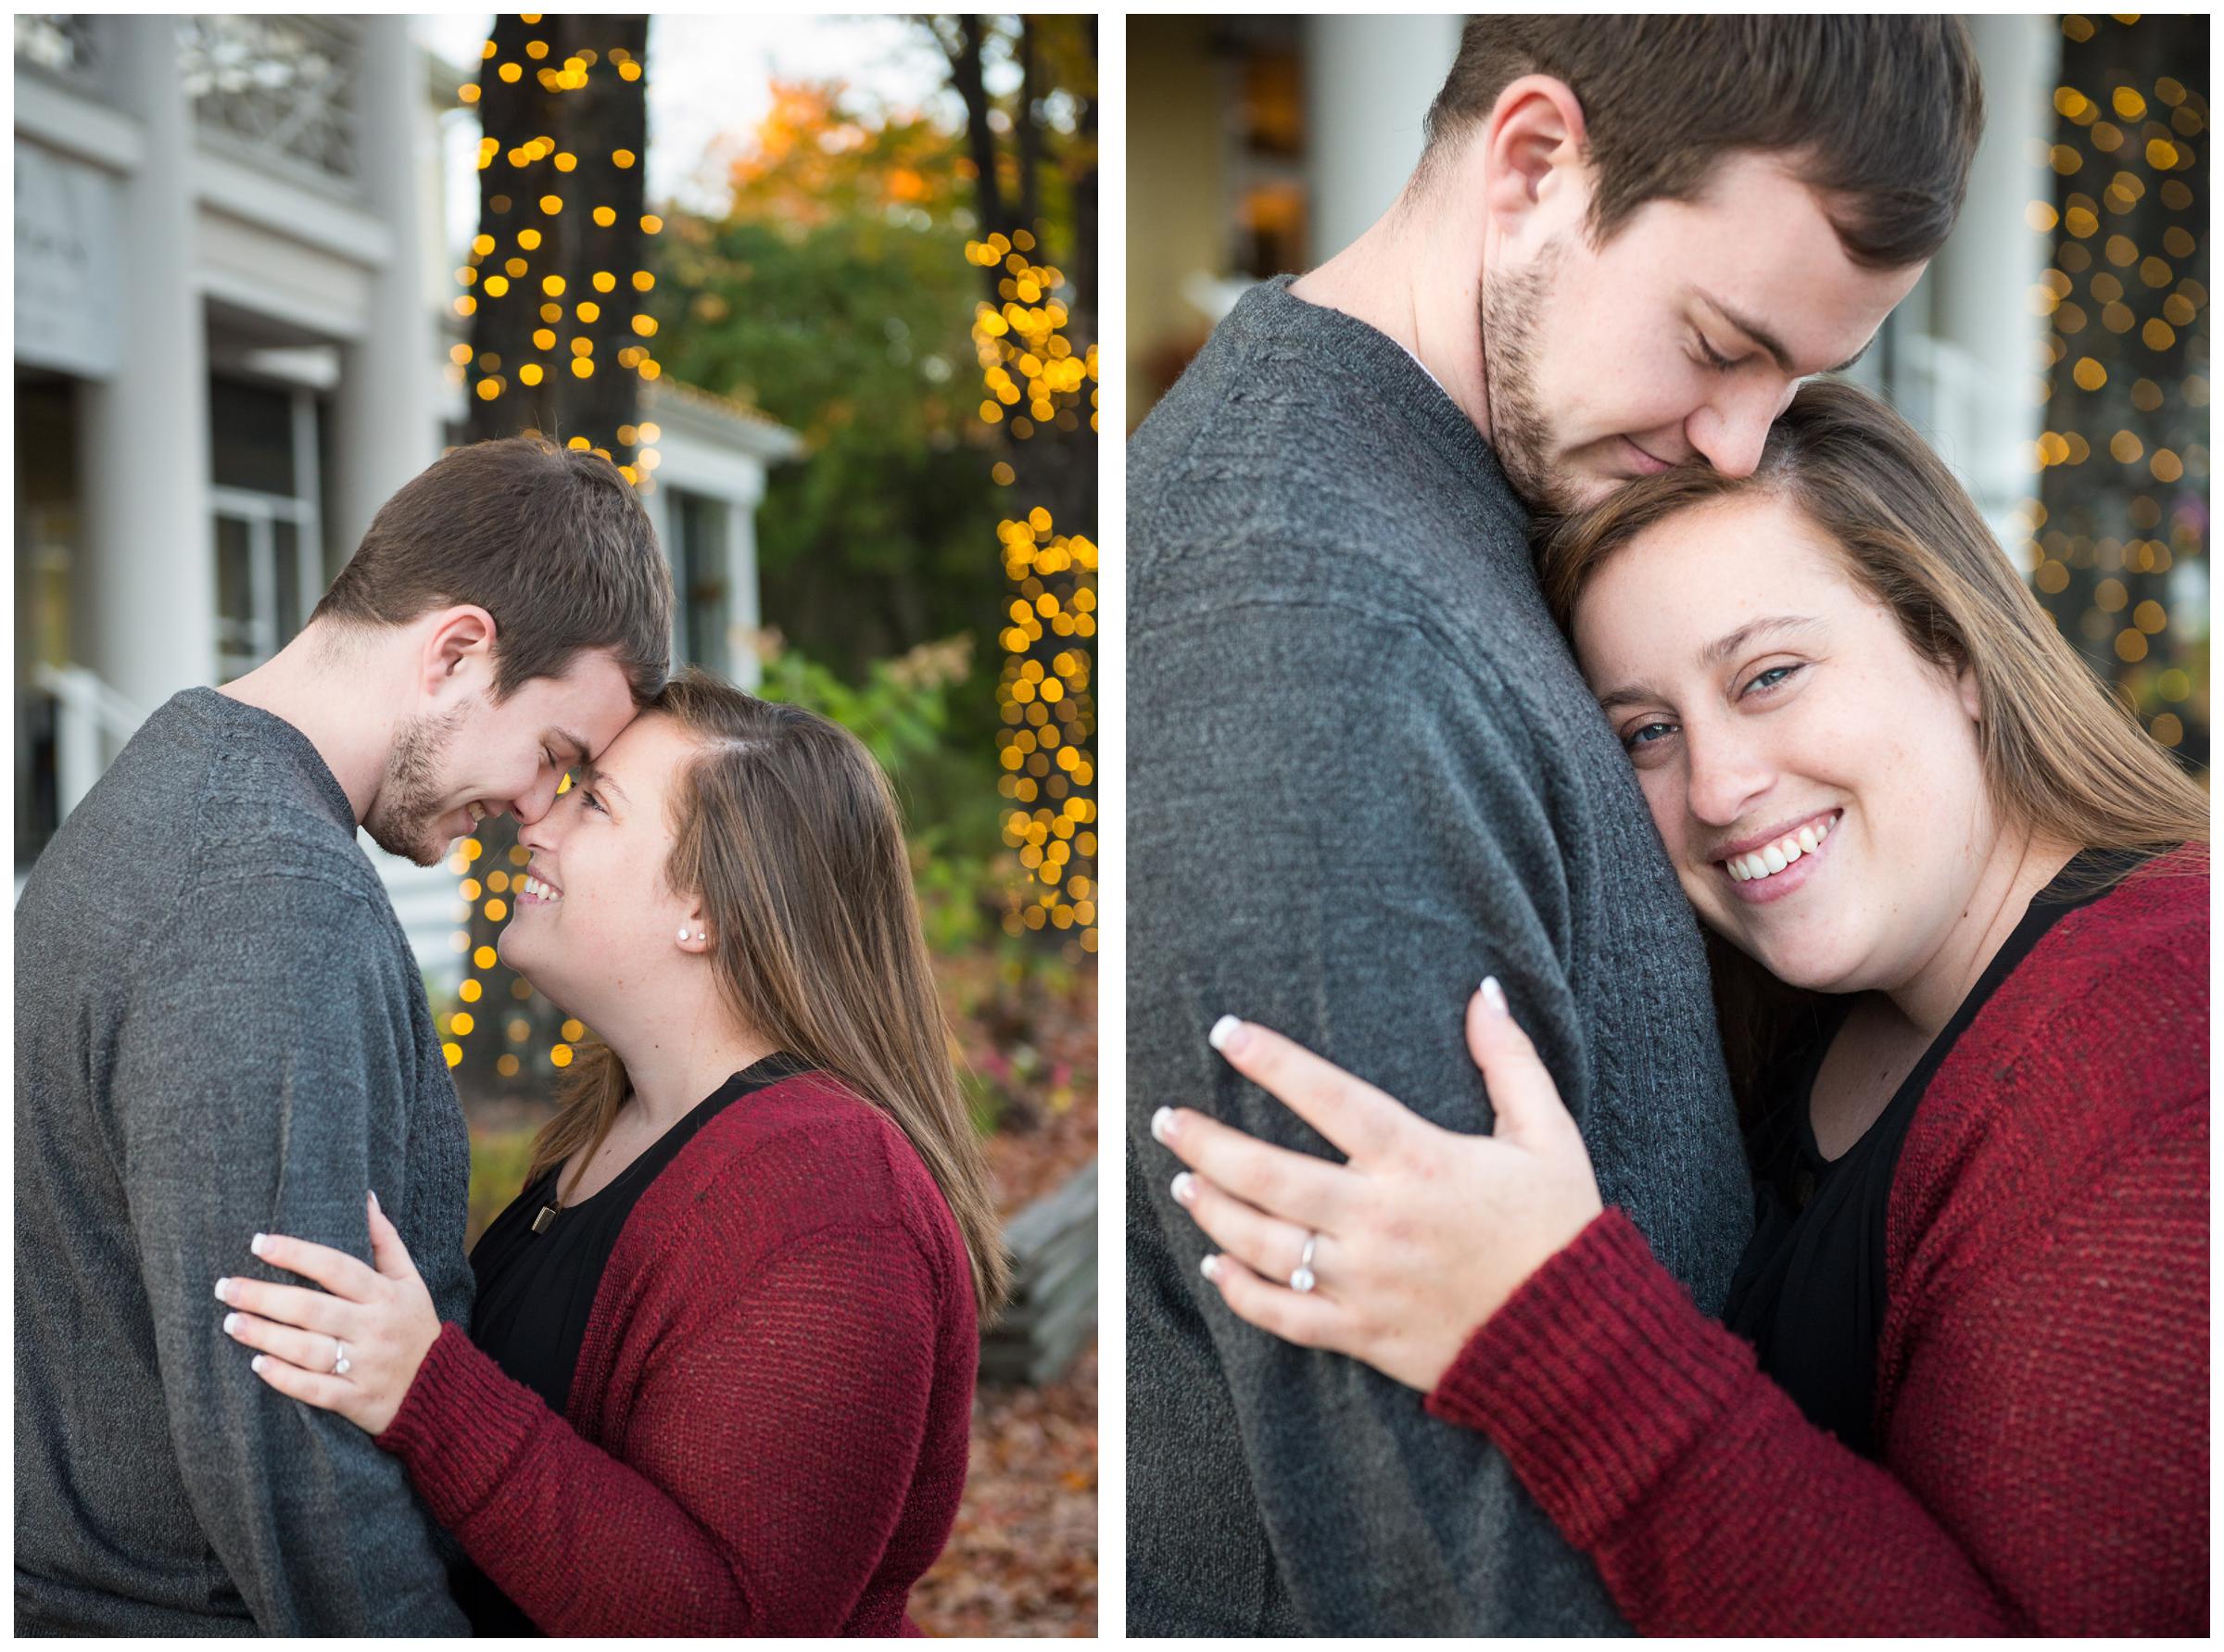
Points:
x=1376, y=369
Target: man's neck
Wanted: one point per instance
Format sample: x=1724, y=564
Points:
x=1412, y=279
x=321, y=692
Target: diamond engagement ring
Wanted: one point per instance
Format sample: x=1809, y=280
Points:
x=1303, y=1280
x=340, y=1357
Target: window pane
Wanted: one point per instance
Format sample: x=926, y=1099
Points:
x=288, y=539
x=251, y=438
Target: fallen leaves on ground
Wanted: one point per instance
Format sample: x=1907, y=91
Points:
x=1022, y=1557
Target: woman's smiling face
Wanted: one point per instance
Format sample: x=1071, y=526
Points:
x=1818, y=784
x=593, y=917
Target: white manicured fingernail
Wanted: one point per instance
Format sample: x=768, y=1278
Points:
x=255, y=1365
x=1494, y=995
x=223, y=1290
x=1185, y=1189
x=1162, y=1124
x=254, y=1243
x=231, y=1323
x=1222, y=1030
x=1211, y=1268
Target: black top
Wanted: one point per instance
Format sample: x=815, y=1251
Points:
x=536, y=1291
x=1810, y=1294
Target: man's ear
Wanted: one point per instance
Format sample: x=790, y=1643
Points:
x=458, y=650
x=1536, y=181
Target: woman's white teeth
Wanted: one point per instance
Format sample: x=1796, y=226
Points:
x=1772, y=858
x=540, y=890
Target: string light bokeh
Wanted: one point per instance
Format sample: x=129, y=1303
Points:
x=511, y=269
x=2118, y=537
x=1035, y=380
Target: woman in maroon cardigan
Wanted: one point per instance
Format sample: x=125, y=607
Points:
x=720, y=1373
x=1958, y=903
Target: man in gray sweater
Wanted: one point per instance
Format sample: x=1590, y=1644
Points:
x=221, y=1030
x=1364, y=772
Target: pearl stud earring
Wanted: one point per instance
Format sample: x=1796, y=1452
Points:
x=683, y=933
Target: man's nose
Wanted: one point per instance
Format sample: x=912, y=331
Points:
x=1730, y=431
x=532, y=807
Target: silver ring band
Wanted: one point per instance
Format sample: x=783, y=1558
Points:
x=1303, y=1280
x=340, y=1357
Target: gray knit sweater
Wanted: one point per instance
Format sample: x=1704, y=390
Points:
x=1363, y=773
x=220, y=1030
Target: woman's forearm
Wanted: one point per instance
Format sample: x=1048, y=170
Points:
x=768, y=1455
x=1713, y=1507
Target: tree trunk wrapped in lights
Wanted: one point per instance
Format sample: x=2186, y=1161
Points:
x=556, y=294
x=2120, y=547
x=1034, y=333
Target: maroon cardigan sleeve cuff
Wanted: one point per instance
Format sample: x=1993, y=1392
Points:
x=460, y=1427
x=1595, y=1378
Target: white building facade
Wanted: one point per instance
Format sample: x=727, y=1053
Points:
x=233, y=312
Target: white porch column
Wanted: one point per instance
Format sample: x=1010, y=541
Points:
x=743, y=613
x=385, y=414
x=1994, y=259
x=1369, y=81
x=146, y=602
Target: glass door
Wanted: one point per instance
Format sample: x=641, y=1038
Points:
x=260, y=576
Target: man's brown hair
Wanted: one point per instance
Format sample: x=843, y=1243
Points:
x=552, y=541
x=1881, y=114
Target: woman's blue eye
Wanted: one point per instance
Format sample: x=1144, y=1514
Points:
x=1647, y=734
x=1770, y=678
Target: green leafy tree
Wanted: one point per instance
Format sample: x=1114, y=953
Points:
x=835, y=296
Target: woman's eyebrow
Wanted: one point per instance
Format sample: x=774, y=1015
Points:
x=1722, y=647
x=599, y=780
x=1714, y=654
x=1634, y=695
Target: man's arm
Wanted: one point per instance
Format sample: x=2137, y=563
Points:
x=258, y=1081
x=1336, y=832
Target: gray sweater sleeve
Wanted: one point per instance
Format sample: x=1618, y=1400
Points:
x=259, y=1075
x=1312, y=851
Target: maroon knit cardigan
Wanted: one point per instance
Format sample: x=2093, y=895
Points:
x=767, y=1427
x=2042, y=1372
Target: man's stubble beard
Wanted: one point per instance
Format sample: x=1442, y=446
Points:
x=1520, y=432
x=410, y=796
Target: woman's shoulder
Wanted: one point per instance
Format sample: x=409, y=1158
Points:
x=2092, y=1056
x=803, y=1155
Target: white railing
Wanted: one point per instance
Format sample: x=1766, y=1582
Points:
x=67, y=46
x=92, y=723
x=277, y=91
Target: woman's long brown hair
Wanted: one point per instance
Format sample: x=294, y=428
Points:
x=2063, y=760
x=789, y=830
